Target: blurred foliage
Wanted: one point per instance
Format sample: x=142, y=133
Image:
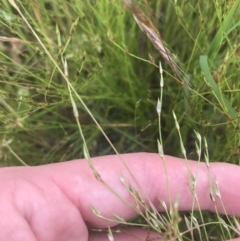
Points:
x=106, y=54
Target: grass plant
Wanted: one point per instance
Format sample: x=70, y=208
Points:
x=81, y=79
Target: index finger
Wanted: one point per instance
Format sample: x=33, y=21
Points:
x=77, y=180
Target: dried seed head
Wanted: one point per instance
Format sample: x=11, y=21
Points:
x=85, y=152
x=159, y=107
x=96, y=212
x=160, y=68
x=132, y=190
x=183, y=150
x=122, y=178
x=97, y=175
x=110, y=235
x=151, y=31
x=160, y=149
x=65, y=68
x=120, y=219
x=176, y=121
x=237, y=225
x=58, y=37
x=198, y=150
x=198, y=136
x=188, y=223
x=161, y=75
x=206, y=159
x=212, y=195
x=163, y=204
x=216, y=189
x=223, y=223
x=193, y=180
x=75, y=110
x=151, y=58
x=154, y=222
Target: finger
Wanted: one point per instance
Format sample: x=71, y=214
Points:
x=8, y=224
x=77, y=180
x=33, y=207
x=127, y=234
x=131, y=234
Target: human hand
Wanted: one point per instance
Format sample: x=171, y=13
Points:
x=53, y=202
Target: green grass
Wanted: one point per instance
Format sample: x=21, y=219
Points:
x=113, y=68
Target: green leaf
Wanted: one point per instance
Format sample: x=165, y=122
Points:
x=227, y=107
x=218, y=39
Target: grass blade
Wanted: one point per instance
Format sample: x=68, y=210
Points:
x=217, y=40
x=227, y=107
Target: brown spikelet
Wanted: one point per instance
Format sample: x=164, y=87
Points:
x=151, y=31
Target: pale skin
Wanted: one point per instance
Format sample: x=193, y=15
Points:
x=53, y=202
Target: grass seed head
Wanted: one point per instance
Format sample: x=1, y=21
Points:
x=96, y=212
x=110, y=235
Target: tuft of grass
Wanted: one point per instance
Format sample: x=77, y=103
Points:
x=81, y=79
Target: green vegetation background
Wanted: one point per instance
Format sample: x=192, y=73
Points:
x=99, y=39
x=114, y=68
